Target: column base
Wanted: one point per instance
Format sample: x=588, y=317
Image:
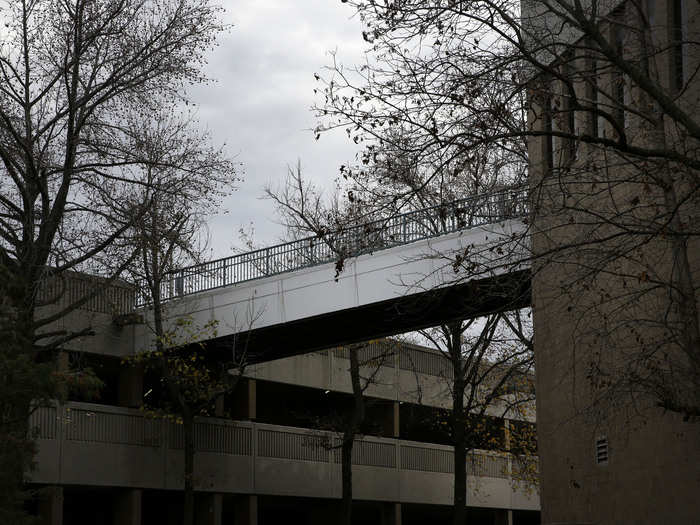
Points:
x=245, y=510
x=51, y=506
x=127, y=507
x=391, y=513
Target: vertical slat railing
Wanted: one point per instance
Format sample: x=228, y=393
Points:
x=409, y=227
x=91, y=424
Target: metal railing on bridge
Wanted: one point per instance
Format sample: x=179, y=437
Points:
x=476, y=210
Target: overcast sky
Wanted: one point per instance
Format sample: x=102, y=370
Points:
x=260, y=103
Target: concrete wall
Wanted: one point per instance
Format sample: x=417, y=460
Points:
x=96, y=445
x=414, y=374
x=98, y=313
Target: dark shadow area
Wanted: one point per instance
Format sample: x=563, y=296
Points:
x=274, y=510
x=305, y=407
x=526, y=517
x=88, y=506
x=432, y=425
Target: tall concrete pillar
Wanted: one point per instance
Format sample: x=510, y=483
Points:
x=62, y=366
x=51, y=506
x=130, y=386
x=219, y=407
x=391, y=514
x=127, y=507
x=209, y=509
x=245, y=510
x=504, y=517
x=391, y=421
x=245, y=399
x=506, y=433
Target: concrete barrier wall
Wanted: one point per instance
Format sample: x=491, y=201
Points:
x=412, y=374
x=98, y=445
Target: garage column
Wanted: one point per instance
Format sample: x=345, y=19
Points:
x=209, y=509
x=391, y=513
x=51, y=506
x=127, y=507
x=245, y=510
x=504, y=517
x=130, y=386
x=245, y=399
x=390, y=419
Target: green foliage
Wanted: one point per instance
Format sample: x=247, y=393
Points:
x=80, y=383
x=23, y=384
x=191, y=377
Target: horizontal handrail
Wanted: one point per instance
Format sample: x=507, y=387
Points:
x=476, y=210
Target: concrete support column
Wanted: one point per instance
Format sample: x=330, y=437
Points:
x=504, y=517
x=127, y=507
x=209, y=509
x=506, y=433
x=219, y=406
x=245, y=510
x=391, y=420
x=508, y=444
x=130, y=386
x=245, y=399
x=51, y=506
x=62, y=366
x=391, y=514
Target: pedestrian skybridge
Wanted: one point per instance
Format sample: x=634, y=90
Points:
x=405, y=272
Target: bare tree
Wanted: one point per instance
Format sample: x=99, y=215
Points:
x=598, y=98
x=183, y=182
x=353, y=421
x=491, y=361
x=346, y=422
x=482, y=366
x=74, y=74
x=195, y=376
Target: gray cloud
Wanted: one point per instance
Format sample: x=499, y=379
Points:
x=259, y=104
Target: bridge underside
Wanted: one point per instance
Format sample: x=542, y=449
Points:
x=381, y=319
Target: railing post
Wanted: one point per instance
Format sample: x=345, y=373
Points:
x=60, y=436
x=311, y=252
x=253, y=454
x=223, y=283
x=164, y=446
x=397, y=452
x=180, y=284
x=267, y=261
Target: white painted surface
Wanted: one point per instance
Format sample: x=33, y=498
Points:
x=384, y=275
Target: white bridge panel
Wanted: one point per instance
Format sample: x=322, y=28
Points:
x=383, y=275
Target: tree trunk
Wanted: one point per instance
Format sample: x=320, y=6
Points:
x=22, y=382
x=346, y=476
x=356, y=419
x=459, y=514
x=460, y=465
x=188, y=510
